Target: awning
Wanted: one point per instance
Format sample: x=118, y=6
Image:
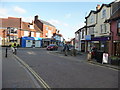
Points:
x=31, y=38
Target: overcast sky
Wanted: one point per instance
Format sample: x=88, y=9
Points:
x=68, y=17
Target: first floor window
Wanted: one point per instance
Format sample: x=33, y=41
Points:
x=37, y=34
x=32, y=34
x=119, y=27
x=103, y=28
x=13, y=38
x=47, y=28
x=26, y=33
x=91, y=30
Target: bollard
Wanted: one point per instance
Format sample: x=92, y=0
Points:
x=6, y=53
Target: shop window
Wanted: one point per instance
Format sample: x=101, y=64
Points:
x=28, y=40
x=33, y=41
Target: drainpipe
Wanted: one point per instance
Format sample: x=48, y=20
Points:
x=112, y=33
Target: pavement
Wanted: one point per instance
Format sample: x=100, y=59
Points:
x=0, y=68
x=83, y=56
x=14, y=75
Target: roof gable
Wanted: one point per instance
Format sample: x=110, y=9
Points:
x=94, y=12
x=104, y=5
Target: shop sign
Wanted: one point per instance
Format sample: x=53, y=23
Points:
x=88, y=37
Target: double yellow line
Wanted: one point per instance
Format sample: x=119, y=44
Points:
x=39, y=79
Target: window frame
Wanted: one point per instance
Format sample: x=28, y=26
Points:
x=92, y=19
x=118, y=27
x=46, y=28
x=104, y=13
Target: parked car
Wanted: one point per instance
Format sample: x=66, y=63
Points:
x=52, y=47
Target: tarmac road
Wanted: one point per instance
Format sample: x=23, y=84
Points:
x=63, y=72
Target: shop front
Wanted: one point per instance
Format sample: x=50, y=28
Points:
x=46, y=42
x=101, y=43
x=83, y=46
x=31, y=42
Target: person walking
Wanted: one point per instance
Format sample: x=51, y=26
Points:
x=66, y=49
x=14, y=48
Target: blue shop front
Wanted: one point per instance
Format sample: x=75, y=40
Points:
x=31, y=42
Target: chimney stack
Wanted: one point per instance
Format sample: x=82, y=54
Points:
x=36, y=17
x=98, y=7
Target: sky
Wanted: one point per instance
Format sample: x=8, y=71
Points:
x=67, y=17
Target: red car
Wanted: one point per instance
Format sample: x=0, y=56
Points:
x=52, y=47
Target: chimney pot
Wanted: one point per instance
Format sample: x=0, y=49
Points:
x=98, y=7
x=36, y=17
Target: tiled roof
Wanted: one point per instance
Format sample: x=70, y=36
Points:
x=26, y=26
x=47, y=23
x=37, y=28
x=116, y=14
x=11, y=22
x=92, y=11
x=97, y=11
x=57, y=34
x=116, y=10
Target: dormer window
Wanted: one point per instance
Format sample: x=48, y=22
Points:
x=31, y=27
x=104, y=13
x=91, y=19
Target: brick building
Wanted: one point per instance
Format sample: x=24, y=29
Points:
x=47, y=30
x=114, y=21
x=12, y=29
x=9, y=29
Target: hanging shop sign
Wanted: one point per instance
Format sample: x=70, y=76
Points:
x=88, y=37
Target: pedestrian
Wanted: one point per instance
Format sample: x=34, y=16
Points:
x=66, y=49
x=14, y=48
x=94, y=51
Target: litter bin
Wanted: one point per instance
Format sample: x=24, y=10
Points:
x=99, y=56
